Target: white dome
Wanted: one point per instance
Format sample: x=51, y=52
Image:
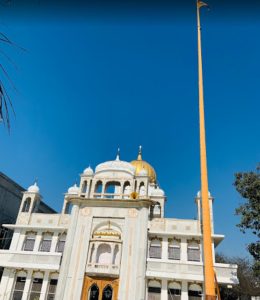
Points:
x=34, y=188
x=158, y=192
x=143, y=172
x=88, y=171
x=73, y=190
x=199, y=194
x=115, y=165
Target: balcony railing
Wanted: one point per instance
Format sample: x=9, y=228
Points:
x=190, y=271
x=30, y=259
x=96, y=268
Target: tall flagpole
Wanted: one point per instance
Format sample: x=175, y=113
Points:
x=209, y=280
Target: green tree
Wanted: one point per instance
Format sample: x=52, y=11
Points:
x=248, y=186
x=248, y=285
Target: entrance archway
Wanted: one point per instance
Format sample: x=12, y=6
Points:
x=99, y=288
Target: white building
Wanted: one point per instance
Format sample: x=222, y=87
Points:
x=110, y=241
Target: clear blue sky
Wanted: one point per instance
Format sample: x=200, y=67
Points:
x=92, y=79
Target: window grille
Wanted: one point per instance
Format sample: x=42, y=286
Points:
x=193, y=253
x=174, y=252
x=174, y=294
x=61, y=243
x=18, y=288
x=29, y=242
x=194, y=295
x=36, y=287
x=52, y=289
x=46, y=243
x=154, y=293
x=155, y=250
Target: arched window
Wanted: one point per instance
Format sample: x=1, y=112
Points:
x=193, y=251
x=93, y=292
x=127, y=189
x=174, y=291
x=68, y=208
x=45, y=245
x=157, y=210
x=142, y=189
x=36, y=286
x=155, y=250
x=84, y=187
x=174, y=250
x=26, y=205
x=107, y=293
x=154, y=290
x=52, y=286
x=113, y=189
x=18, y=288
x=29, y=241
x=61, y=243
x=98, y=189
x=104, y=254
x=195, y=292
x=116, y=256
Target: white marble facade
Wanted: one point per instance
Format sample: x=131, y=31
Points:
x=111, y=226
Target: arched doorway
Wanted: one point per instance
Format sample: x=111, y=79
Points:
x=99, y=288
x=107, y=293
x=93, y=292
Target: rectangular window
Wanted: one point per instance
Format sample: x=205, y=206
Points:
x=174, y=294
x=29, y=243
x=52, y=289
x=46, y=243
x=194, y=295
x=18, y=288
x=174, y=253
x=193, y=254
x=154, y=293
x=155, y=251
x=36, y=287
x=60, y=246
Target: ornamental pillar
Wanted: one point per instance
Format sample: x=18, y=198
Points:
x=27, y=285
x=184, y=290
x=164, y=290
x=45, y=284
x=184, y=256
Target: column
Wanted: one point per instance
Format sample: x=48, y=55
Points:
x=20, y=241
x=54, y=241
x=112, y=245
x=103, y=188
x=7, y=283
x=184, y=250
x=27, y=286
x=184, y=290
x=67, y=253
x=164, y=290
x=37, y=241
x=45, y=284
x=94, y=257
x=165, y=247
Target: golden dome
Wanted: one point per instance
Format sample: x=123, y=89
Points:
x=141, y=165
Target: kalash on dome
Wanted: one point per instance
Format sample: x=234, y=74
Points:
x=111, y=241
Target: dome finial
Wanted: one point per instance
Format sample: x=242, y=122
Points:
x=118, y=154
x=139, y=157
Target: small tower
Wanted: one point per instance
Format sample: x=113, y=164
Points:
x=86, y=182
x=198, y=202
x=67, y=205
x=31, y=199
